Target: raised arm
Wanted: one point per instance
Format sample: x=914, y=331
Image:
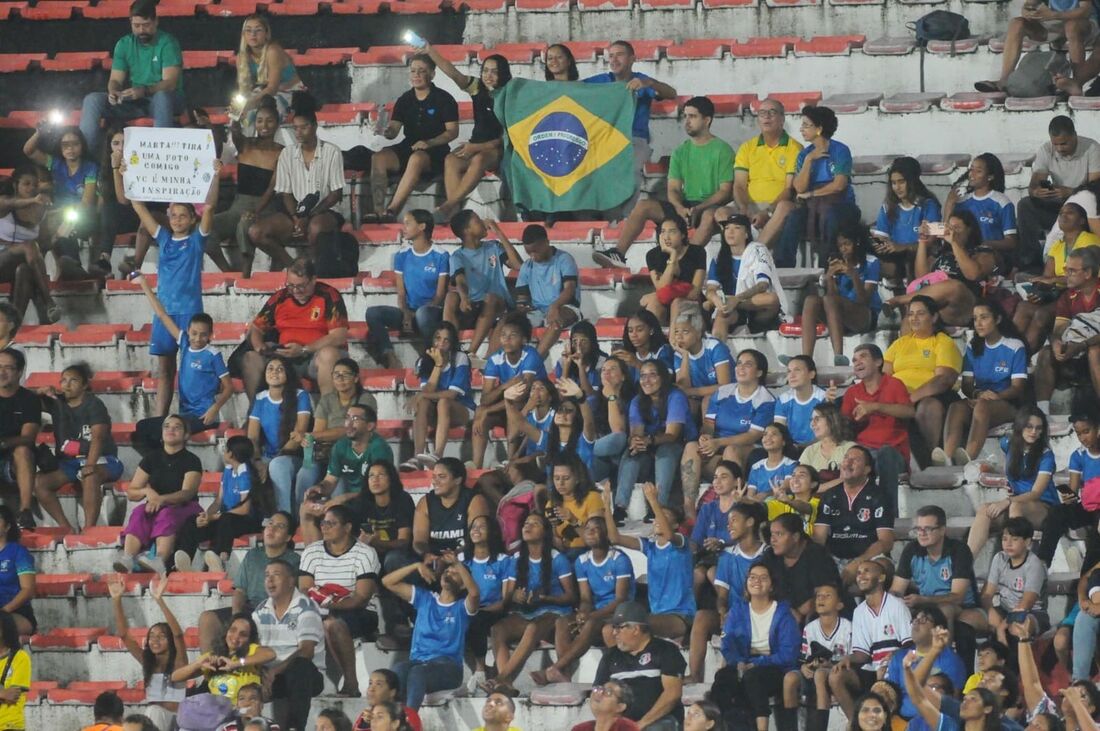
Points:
x=613, y=534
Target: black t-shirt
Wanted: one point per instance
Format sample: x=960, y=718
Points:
x=423, y=119
x=76, y=424
x=384, y=522
x=796, y=584
x=642, y=672
x=486, y=125
x=166, y=471
x=22, y=407
x=854, y=526
x=694, y=260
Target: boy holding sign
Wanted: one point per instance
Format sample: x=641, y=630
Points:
x=179, y=276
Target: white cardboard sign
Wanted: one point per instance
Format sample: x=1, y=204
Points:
x=168, y=165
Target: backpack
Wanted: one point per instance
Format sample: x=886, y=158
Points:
x=1081, y=328
x=337, y=256
x=513, y=509
x=1034, y=74
x=940, y=25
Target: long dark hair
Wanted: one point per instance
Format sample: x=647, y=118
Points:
x=973, y=228
x=723, y=261
x=992, y=720
x=755, y=511
x=105, y=186
x=933, y=309
x=858, y=234
x=288, y=409
x=504, y=69
x=657, y=339
x=392, y=476
x=655, y=413
x=853, y=723
x=908, y=168
x=573, y=463
x=626, y=394
x=1005, y=327
x=496, y=538
x=572, y=73
x=1022, y=462
x=592, y=357
x=352, y=366
x=425, y=365
x=554, y=447
x=13, y=533
x=221, y=647
x=995, y=169
x=789, y=448
x=9, y=633
x=523, y=561
x=149, y=660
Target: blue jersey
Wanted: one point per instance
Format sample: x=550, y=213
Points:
x=733, y=415
x=669, y=573
x=733, y=569
x=664, y=354
x=68, y=188
x=484, y=270
x=593, y=371
x=711, y=522
x=934, y=577
x=1022, y=485
x=838, y=161
x=643, y=98
x=200, y=375
x=266, y=411
x=179, y=271
x=456, y=377
x=703, y=365
x=995, y=213
x=870, y=272
x=543, y=425
x=677, y=411
x=761, y=476
x=15, y=560
x=236, y=485
x=582, y=450
x=726, y=284
x=796, y=414
x=947, y=663
x=562, y=568
x=998, y=364
x=602, y=577
x=504, y=370
x=489, y=576
x=545, y=280
x=420, y=273
x=440, y=629
x=905, y=228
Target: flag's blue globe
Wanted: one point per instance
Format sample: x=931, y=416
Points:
x=558, y=144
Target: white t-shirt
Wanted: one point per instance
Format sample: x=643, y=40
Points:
x=881, y=631
x=761, y=629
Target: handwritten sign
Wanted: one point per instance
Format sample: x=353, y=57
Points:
x=168, y=165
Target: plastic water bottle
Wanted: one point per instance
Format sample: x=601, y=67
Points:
x=307, y=451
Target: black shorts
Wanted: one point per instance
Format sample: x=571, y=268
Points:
x=362, y=623
x=436, y=155
x=468, y=320
x=27, y=612
x=670, y=211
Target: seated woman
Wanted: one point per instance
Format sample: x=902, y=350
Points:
x=711, y=534
x=257, y=158
x=742, y=282
x=927, y=361
x=429, y=118
x=851, y=302
x=643, y=339
x=908, y=204
x=1029, y=467
x=582, y=359
x=701, y=363
x=264, y=69
x=979, y=709
x=384, y=689
x=570, y=500
x=610, y=416
x=660, y=423
x=760, y=644
x=768, y=474
x=984, y=196
x=1035, y=316
x=86, y=451
x=277, y=425
x=952, y=274
x=17, y=575
x=797, y=494
x=485, y=556
x=832, y=440
x=794, y=407
x=445, y=400
x=538, y=589
x=676, y=269
x=573, y=429
x=166, y=488
x=238, y=662
x=22, y=209
x=823, y=186
x=114, y=213
x=994, y=381
x=467, y=164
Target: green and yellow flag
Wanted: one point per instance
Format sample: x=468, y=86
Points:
x=567, y=144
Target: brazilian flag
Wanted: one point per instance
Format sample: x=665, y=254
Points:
x=567, y=144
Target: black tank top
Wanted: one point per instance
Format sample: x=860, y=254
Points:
x=447, y=526
x=252, y=180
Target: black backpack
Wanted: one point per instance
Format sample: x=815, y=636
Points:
x=939, y=25
x=337, y=256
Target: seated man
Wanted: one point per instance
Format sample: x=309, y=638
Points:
x=309, y=320
x=151, y=61
x=1071, y=361
x=309, y=181
x=343, y=573
x=20, y=421
x=429, y=117
x=928, y=622
x=700, y=179
x=547, y=288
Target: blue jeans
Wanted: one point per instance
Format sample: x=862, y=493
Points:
x=606, y=453
x=1085, y=629
x=282, y=471
x=419, y=678
x=663, y=464
x=794, y=232
x=383, y=318
x=164, y=107
x=889, y=464
x=310, y=476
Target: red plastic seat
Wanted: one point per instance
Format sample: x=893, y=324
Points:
x=828, y=45
x=7, y=8
x=910, y=103
x=650, y=50
x=714, y=4
x=96, y=334
x=177, y=8
x=295, y=7
x=87, y=697
x=95, y=537
x=53, y=10
x=192, y=583
x=729, y=105
x=202, y=59
x=38, y=334
x=599, y=278
x=889, y=46
x=414, y=7
x=700, y=48
x=515, y=52
x=59, y=584
x=16, y=62
x=384, y=282
x=794, y=329
x=382, y=379
x=231, y=8
x=76, y=61
x=483, y=6
x=544, y=6
x=971, y=101
x=654, y=4
x=324, y=56
x=42, y=538
x=760, y=48
x=792, y=101
x=110, y=9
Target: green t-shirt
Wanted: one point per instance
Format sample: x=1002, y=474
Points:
x=145, y=64
x=250, y=577
x=351, y=467
x=701, y=168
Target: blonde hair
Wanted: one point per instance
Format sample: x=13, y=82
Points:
x=245, y=82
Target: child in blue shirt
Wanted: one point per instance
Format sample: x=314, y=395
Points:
x=179, y=277
x=547, y=288
x=204, y=385
x=234, y=512
x=776, y=467
x=445, y=400
x=908, y=204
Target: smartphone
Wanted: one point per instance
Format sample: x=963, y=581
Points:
x=936, y=229
x=1046, y=184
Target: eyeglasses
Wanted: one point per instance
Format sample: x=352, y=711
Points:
x=924, y=530
x=769, y=113
x=354, y=418
x=297, y=287
x=604, y=690
x=70, y=143
x=330, y=523
x=343, y=375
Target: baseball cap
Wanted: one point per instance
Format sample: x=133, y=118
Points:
x=630, y=613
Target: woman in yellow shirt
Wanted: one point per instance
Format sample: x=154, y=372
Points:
x=239, y=665
x=572, y=500
x=928, y=362
x=15, y=675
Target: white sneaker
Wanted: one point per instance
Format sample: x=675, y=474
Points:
x=214, y=563
x=412, y=465
x=474, y=683
x=123, y=562
x=940, y=458
x=183, y=561
x=152, y=563
x=426, y=460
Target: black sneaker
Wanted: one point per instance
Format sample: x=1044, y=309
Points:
x=649, y=516
x=25, y=520
x=610, y=257
x=619, y=516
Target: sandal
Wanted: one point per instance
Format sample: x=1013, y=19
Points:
x=371, y=218
x=988, y=87
x=388, y=217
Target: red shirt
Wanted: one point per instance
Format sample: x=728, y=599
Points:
x=880, y=430
x=1073, y=302
x=621, y=724
x=303, y=324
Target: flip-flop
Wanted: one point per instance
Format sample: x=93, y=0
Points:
x=988, y=87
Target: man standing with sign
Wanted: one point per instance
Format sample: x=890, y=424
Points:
x=152, y=62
